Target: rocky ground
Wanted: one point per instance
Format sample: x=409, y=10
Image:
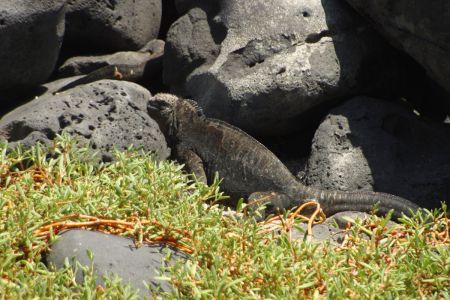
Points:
x=350, y=95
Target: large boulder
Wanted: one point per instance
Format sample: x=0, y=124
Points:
x=263, y=65
x=106, y=113
x=114, y=255
x=421, y=29
x=31, y=33
x=113, y=25
x=375, y=145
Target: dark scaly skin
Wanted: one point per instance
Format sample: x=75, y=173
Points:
x=246, y=166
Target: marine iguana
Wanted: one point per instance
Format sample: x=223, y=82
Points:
x=246, y=166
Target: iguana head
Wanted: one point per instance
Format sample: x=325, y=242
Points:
x=173, y=113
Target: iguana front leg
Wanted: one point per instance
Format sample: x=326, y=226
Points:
x=193, y=163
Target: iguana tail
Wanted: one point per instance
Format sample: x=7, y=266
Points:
x=337, y=201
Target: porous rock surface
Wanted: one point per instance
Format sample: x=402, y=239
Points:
x=321, y=234
x=420, y=28
x=113, y=25
x=106, y=113
x=31, y=34
x=376, y=145
x=79, y=65
x=264, y=65
x=114, y=255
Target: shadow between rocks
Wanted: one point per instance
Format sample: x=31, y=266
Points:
x=12, y=99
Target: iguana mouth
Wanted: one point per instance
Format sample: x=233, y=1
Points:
x=156, y=106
